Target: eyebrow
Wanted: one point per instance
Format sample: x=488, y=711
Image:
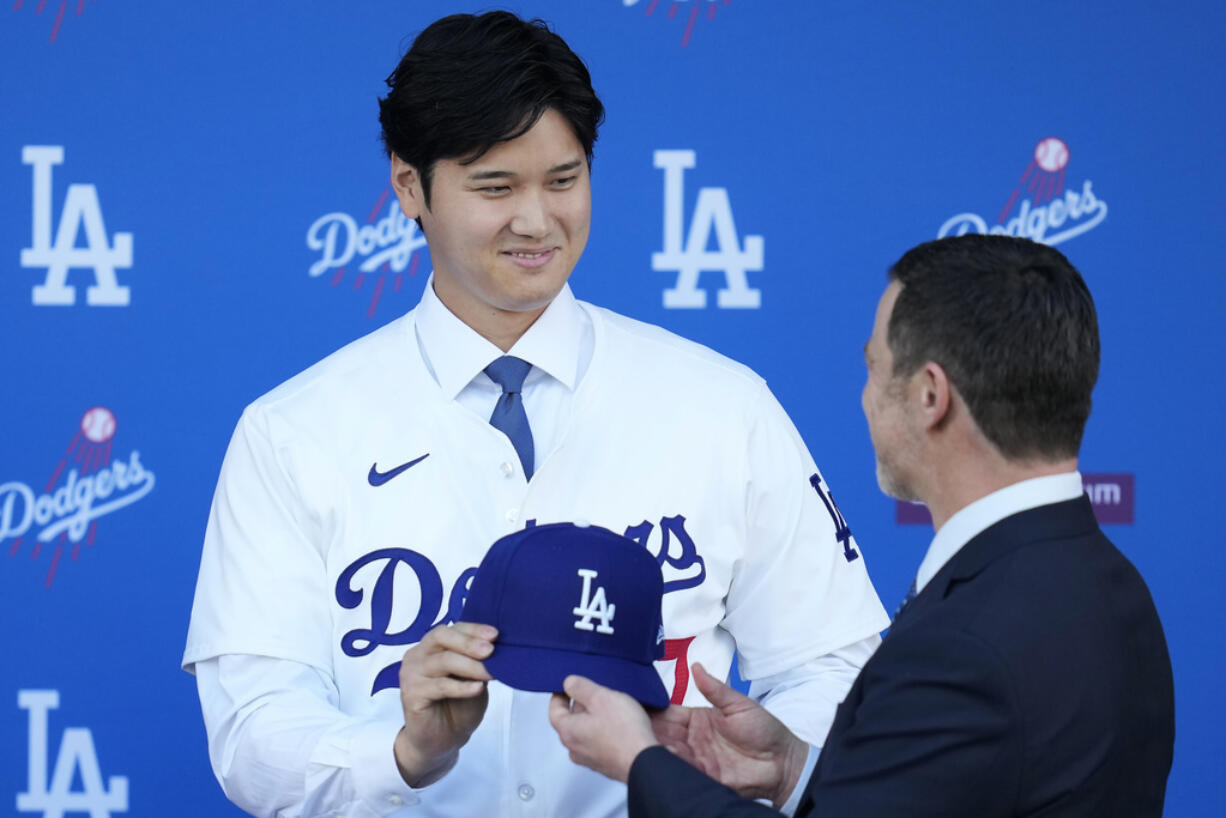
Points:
x=486, y=175
x=566, y=166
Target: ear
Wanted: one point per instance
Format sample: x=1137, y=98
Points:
x=935, y=395
x=407, y=184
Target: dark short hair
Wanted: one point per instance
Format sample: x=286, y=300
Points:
x=470, y=82
x=1013, y=324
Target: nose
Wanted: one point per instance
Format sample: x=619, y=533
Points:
x=531, y=217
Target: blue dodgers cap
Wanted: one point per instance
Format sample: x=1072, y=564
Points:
x=570, y=598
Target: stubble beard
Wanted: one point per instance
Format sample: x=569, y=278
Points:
x=892, y=484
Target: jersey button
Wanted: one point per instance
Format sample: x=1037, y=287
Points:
x=512, y=515
x=508, y=470
x=526, y=792
x=395, y=800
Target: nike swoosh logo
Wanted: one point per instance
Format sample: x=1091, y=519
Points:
x=378, y=478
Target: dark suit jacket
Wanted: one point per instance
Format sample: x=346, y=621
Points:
x=1030, y=677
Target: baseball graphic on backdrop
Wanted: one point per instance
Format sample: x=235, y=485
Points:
x=1051, y=154
x=98, y=424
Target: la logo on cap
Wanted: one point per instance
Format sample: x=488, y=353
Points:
x=593, y=606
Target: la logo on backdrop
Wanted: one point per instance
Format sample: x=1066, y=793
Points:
x=1051, y=213
x=82, y=212
x=76, y=760
x=684, y=251
x=88, y=483
x=689, y=256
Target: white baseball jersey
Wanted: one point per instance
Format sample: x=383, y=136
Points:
x=357, y=499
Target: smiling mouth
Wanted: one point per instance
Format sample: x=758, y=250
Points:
x=531, y=259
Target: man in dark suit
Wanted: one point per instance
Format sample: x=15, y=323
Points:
x=1029, y=674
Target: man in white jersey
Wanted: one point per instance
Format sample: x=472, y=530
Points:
x=357, y=498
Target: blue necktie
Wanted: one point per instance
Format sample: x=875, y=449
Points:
x=509, y=416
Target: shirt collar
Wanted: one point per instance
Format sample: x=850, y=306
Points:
x=987, y=511
x=553, y=341
x=455, y=353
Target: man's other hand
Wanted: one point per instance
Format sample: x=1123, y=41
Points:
x=736, y=741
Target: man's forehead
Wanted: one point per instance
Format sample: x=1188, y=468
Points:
x=878, y=345
x=549, y=146
x=885, y=305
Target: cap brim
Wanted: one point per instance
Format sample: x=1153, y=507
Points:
x=544, y=669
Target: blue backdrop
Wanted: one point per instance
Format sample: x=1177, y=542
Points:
x=195, y=206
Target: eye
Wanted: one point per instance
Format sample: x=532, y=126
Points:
x=493, y=190
x=563, y=182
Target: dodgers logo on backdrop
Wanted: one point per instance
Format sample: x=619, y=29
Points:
x=76, y=760
x=688, y=257
x=690, y=10
x=60, y=12
x=382, y=248
x=81, y=212
x=87, y=484
x=1050, y=214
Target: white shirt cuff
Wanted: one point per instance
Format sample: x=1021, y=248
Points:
x=789, y=806
x=372, y=763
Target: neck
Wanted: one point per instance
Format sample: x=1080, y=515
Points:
x=502, y=328
x=960, y=481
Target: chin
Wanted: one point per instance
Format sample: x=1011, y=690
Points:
x=892, y=486
x=527, y=304
x=532, y=299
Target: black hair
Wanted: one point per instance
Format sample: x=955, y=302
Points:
x=470, y=82
x=1013, y=324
